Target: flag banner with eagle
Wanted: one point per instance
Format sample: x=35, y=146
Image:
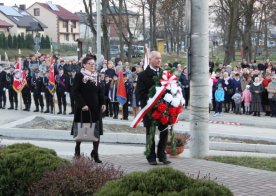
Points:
x=121, y=89
x=19, y=80
x=51, y=77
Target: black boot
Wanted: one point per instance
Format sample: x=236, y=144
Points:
x=1, y=105
x=26, y=107
x=16, y=106
x=77, y=150
x=29, y=107
x=59, y=110
x=4, y=105
x=64, y=110
x=47, y=110
x=94, y=153
x=95, y=156
x=72, y=111
x=41, y=109
x=11, y=107
x=36, y=109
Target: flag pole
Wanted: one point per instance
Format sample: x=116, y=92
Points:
x=54, y=103
x=20, y=92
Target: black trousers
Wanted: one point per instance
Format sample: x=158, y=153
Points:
x=110, y=107
x=13, y=96
x=2, y=97
x=163, y=130
x=38, y=99
x=115, y=106
x=27, y=99
x=272, y=107
x=49, y=101
x=61, y=97
x=106, y=101
x=125, y=110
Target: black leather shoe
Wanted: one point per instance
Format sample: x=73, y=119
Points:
x=95, y=156
x=152, y=162
x=164, y=161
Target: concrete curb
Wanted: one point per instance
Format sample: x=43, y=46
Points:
x=126, y=138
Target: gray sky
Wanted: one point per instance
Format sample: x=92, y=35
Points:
x=71, y=5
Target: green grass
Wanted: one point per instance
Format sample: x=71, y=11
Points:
x=252, y=162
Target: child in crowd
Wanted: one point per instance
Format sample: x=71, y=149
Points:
x=238, y=100
x=246, y=96
x=134, y=100
x=113, y=96
x=219, y=97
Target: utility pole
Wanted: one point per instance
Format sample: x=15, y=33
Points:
x=199, y=54
x=99, y=43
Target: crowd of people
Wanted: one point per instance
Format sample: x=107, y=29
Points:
x=37, y=69
x=243, y=89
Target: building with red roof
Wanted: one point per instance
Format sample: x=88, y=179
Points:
x=4, y=27
x=63, y=25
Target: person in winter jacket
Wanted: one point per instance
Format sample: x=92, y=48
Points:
x=237, y=98
x=219, y=97
x=247, y=98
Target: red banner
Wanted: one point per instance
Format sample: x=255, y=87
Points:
x=19, y=80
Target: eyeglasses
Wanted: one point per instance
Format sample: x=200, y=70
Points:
x=91, y=63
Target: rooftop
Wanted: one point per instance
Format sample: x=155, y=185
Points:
x=60, y=11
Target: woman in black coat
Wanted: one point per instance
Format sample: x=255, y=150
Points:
x=88, y=97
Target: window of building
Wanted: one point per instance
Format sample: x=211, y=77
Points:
x=74, y=24
x=66, y=37
x=74, y=37
x=36, y=12
x=64, y=24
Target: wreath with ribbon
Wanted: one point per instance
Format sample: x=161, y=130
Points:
x=164, y=105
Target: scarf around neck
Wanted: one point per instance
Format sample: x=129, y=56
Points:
x=89, y=76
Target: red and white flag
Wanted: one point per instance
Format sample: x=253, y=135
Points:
x=19, y=80
x=146, y=59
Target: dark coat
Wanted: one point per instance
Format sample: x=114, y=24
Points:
x=144, y=83
x=3, y=80
x=37, y=85
x=62, y=84
x=91, y=95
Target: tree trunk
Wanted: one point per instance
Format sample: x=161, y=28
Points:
x=265, y=33
x=248, y=30
x=199, y=79
x=105, y=42
x=121, y=29
x=232, y=31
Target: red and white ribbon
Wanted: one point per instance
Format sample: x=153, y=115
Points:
x=167, y=79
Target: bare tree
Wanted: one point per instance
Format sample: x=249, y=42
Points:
x=105, y=41
x=88, y=5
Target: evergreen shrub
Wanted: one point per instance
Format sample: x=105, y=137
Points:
x=162, y=182
x=22, y=164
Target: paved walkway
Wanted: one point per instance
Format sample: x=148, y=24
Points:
x=240, y=180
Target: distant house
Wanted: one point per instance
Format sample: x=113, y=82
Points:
x=5, y=27
x=63, y=26
x=112, y=28
x=19, y=21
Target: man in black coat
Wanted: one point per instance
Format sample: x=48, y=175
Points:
x=37, y=90
x=26, y=91
x=144, y=83
x=62, y=86
x=3, y=76
x=12, y=93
